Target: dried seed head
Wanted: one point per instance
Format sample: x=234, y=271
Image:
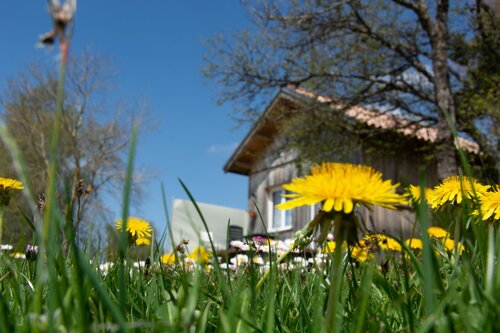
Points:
x=180, y=248
x=81, y=189
x=41, y=202
x=62, y=18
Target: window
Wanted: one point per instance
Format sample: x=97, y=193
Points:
x=235, y=233
x=313, y=211
x=279, y=219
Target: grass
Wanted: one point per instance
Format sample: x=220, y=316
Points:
x=175, y=299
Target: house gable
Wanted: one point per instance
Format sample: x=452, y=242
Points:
x=260, y=136
x=262, y=157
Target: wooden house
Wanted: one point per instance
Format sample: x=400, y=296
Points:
x=262, y=157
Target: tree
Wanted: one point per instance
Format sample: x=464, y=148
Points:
x=93, y=140
x=393, y=55
x=479, y=97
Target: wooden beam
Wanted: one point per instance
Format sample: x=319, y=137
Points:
x=262, y=137
x=242, y=165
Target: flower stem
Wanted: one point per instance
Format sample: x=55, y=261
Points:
x=302, y=238
x=1, y=224
x=278, y=261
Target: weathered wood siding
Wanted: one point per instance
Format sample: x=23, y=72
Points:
x=276, y=168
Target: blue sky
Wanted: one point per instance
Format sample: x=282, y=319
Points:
x=157, y=47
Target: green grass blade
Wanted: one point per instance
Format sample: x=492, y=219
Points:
x=123, y=244
x=362, y=303
x=115, y=311
x=429, y=269
x=169, y=225
x=218, y=270
x=491, y=264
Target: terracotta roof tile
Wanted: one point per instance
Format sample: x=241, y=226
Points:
x=388, y=121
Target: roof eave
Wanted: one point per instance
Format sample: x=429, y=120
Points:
x=231, y=164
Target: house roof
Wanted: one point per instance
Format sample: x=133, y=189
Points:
x=262, y=133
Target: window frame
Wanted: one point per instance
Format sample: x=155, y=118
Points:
x=283, y=213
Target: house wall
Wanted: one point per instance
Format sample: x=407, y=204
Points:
x=276, y=168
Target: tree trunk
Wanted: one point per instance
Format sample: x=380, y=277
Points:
x=446, y=150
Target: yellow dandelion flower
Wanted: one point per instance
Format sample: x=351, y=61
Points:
x=18, y=255
x=340, y=187
x=490, y=205
x=363, y=243
x=450, y=245
x=390, y=244
x=10, y=184
x=438, y=232
x=414, y=243
x=143, y=241
x=329, y=247
x=168, y=259
x=7, y=184
x=453, y=189
x=384, y=242
x=361, y=254
x=414, y=193
x=199, y=254
x=136, y=227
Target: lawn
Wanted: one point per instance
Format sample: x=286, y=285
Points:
x=445, y=279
